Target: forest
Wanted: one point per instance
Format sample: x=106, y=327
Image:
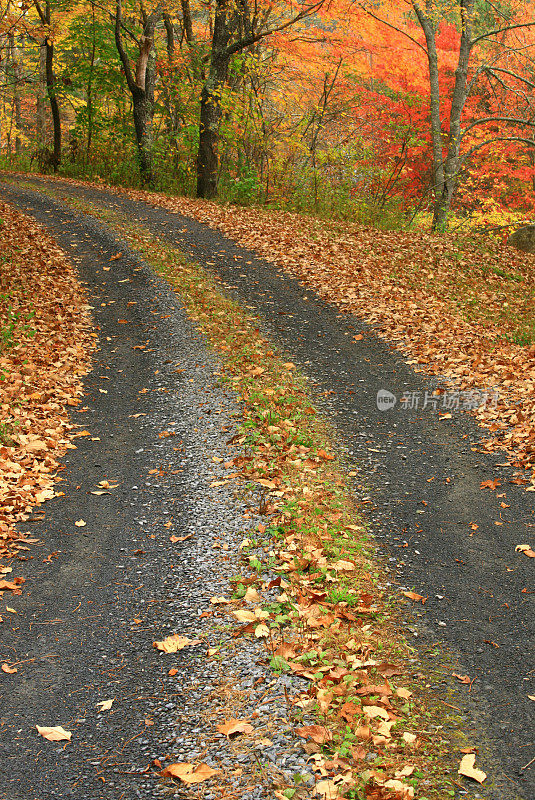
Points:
x=390, y=112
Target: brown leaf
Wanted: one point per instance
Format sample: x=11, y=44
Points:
x=462, y=678
x=490, y=484
x=9, y=670
x=233, y=726
x=189, y=773
x=317, y=733
x=414, y=596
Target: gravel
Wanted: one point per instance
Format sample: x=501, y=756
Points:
x=86, y=622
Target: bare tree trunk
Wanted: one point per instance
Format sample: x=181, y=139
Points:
x=236, y=27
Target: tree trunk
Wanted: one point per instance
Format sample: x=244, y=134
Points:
x=90, y=86
x=434, y=100
x=452, y=161
x=210, y=117
x=54, y=107
x=41, y=96
x=143, y=111
x=446, y=170
x=208, y=154
x=17, y=80
x=141, y=85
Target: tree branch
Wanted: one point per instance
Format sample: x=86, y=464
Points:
x=123, y=55
x=507, y=120
x=496, y=31
x=393, y=27
x=473, y=149
x=247, y=41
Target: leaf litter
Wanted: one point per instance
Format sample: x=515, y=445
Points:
x=45, y=346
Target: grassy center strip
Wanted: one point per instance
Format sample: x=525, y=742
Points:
x=366, y=719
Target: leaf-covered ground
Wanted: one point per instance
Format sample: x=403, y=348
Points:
x=461, y=309
x=45, y=342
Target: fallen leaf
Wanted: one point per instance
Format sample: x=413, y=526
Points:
x=171, y=644
x=105, y=705
x=328, y=789
x=252, y=596
x=180, y=538
x=525, y=549
x=55, y=734
x=261, y=631
x=9, y=670
x=7, y=586
x=219, y=601
x=462, y=678
x=189, y=773
x=80, y=523
x=244, y=616
x=325, y=456
x=318, y=733
x=376, y=711
x=468, y=769
x=490, y=484
x=232, y=726
x=414, y=596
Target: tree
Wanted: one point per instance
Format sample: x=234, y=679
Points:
x=451, y=129
x=446, y=169
x=140, y=82
x=44, y=12
x=236, y=27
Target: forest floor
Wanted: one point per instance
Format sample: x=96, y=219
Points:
x=230, y=451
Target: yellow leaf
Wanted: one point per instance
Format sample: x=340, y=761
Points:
x=56, y=734
x=261, y=631
x=468, y=769
x=252, y=596
x=80, y=523
x=173, y=643
x=375, y=711
x=105, y=705
x=244, y=616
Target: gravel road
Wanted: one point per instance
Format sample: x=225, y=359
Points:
x=97, y=596
x=417, y=476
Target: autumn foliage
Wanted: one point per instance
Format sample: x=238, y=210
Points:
x=332, y=105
